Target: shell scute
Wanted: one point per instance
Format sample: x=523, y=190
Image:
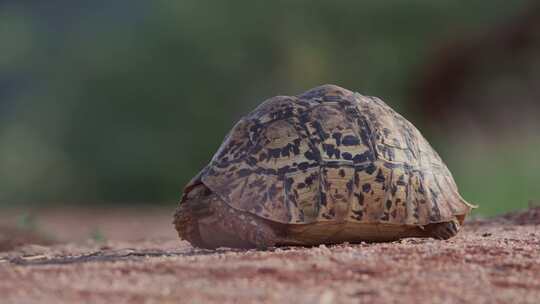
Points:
x=332, y=155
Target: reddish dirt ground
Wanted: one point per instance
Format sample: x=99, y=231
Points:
x=135, y=257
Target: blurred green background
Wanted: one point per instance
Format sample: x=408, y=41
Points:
x=121, y=102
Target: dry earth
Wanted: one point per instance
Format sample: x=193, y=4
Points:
x=491, y=261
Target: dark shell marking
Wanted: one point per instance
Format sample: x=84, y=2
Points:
x=332, y=155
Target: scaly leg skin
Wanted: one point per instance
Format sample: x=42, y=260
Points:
x=263, y=237
x=195, y=205
x=251, y=230
x=443, y=231
x=205, y=221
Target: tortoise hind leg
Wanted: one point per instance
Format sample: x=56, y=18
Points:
x=443, y=231
x=194, y=206
x=205, y=221
x=249, y=230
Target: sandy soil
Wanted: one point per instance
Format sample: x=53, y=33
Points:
x=490, y=261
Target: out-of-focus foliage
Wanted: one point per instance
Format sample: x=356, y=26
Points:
x=127, y=101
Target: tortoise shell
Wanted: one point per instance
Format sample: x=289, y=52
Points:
x=332, y=155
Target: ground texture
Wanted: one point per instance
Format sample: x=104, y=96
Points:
x=490, y=261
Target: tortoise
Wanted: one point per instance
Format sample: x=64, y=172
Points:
x=323, y=167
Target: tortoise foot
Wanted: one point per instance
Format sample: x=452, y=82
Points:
x=443, y=231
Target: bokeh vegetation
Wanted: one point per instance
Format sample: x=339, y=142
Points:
x=125, y=102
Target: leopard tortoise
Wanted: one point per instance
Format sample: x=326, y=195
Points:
x=326, y=166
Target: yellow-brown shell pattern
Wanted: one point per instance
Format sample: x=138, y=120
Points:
x=332, y=155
